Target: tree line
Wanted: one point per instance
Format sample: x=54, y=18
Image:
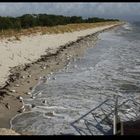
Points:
x=32, y=20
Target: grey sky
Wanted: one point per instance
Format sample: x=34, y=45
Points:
x=127, y=11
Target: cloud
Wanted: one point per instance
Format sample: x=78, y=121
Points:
x=128, y=11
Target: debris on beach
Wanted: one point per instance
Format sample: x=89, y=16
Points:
x=26, y=67
x=17, y=85
x=2, y=93
x=43, y=67
x=29, y=76
x=22, y=109
x=20, y=98
x=14, y=91
x=68, y=58
x=7, y=82
x=7, y=106
x=23, y=77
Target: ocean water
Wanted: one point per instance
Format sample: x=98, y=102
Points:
x=111, y=67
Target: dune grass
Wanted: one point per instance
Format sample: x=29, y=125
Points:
x=51, y=30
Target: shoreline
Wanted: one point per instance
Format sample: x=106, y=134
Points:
x=24, y=78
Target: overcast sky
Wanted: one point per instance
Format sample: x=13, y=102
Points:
x=126, y=11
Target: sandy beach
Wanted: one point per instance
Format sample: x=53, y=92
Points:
x=24, y=61
x=29, y=49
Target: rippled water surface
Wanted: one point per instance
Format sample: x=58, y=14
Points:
x=110, y=68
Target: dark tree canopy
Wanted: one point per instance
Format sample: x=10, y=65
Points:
x=32, y=20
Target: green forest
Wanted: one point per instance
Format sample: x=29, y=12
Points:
x=32, y=20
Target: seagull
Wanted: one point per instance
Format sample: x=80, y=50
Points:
x=22, y=109
x=54, y=78
x=28, y=93
x=20, y=98
x=130, y=109
x=13, y=91
x=33, y=97
x=44, y=67
x=17, y=85
x=44, y=101
x=39, y=93
x=23, y=77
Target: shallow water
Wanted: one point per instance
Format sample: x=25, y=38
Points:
x=110, y=68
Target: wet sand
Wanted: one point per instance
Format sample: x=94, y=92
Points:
x=22, y=78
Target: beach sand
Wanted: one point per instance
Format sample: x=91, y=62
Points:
x=24, y=61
